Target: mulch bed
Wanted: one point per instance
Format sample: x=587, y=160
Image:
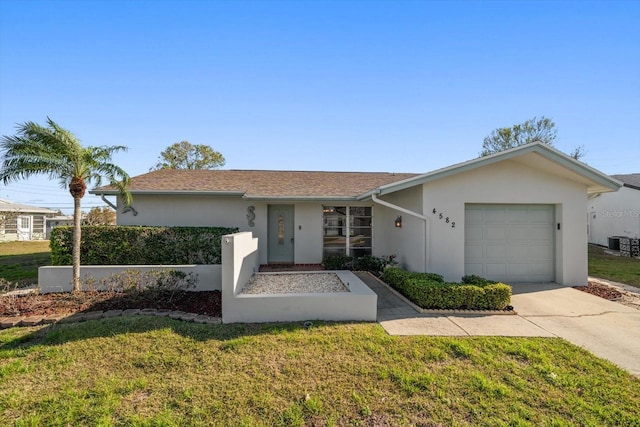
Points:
x=207, y=303
x=598, y=289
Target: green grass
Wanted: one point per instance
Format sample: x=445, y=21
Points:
x=145, y=371
x=611, y=267
x=19, y=261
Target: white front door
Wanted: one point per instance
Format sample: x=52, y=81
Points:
x=23, y=227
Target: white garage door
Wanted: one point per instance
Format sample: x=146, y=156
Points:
x=510, y=243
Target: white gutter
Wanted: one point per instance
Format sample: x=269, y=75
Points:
x=427, y=227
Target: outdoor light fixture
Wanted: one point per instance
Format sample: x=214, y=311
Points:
x=398, y=222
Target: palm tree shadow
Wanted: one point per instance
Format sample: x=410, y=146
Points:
x=60, y=334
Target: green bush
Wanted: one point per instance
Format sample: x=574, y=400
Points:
x=472, y=279
x=369, y=263
x=428, y=290
x=337, y=262
x=124, y=245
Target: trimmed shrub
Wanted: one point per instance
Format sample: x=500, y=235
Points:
x=369, y=263
x=337, y=262
x=125, y=245
x=472, y=279
x=428, y=290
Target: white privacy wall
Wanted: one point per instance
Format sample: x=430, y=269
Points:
x=507, y=182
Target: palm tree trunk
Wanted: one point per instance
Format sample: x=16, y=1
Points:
x=77, y=220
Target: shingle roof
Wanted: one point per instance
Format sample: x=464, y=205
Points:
x=261, y=183
x=9, y=206
x=630, y=180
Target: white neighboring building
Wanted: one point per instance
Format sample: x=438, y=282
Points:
x=22, y=222
x=616, y=213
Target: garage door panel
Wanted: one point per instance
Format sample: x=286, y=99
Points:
x=474, y=233
x=494, y=252
x=495, y=215
x=538, y=252
x=517, y=252
x=473, y=252
x=518, y=233
x=518, y=216
x=511, y=243
x=493, y=233
x=542, y=232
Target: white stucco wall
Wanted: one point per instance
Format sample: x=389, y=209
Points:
x=507, y=182
x=308, y=233
x=614, y=214
x=407, y=242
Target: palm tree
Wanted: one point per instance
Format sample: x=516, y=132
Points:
x=56, y=152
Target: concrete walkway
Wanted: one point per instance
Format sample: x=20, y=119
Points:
x=605, y=328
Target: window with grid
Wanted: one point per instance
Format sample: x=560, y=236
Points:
x=347, y=230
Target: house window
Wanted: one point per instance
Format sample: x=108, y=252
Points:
x=347, y=230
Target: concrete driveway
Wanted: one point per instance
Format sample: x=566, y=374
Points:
x=606, y=329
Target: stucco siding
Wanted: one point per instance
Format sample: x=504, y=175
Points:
x=614, y=214
x=406, y=242
x=506, y=182
x=308, y=233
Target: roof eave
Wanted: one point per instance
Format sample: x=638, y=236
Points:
x=604, y=183
x=168, y=192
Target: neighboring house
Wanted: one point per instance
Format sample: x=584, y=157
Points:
x=22, y=222
x=516, y=216
x=58, y=220
x=616, y=214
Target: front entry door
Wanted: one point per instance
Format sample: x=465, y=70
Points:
x=23, y=227
x=280, y=234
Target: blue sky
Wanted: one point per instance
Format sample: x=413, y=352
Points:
x=397, y=86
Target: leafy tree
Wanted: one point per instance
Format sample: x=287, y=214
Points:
x=533, y=130
x=543, y=130
x=100, y=216
x=184, y=155
x=56, y=152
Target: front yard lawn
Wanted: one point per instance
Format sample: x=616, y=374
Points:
x=19, y=261
x=615, y=268
x=157, y=371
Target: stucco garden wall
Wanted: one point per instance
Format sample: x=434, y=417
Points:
x=239, y=255
x=614, y=214
x=507, y=182
x=59, y=278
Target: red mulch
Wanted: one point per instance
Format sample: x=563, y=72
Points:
x=208, y=303
x=598, y=289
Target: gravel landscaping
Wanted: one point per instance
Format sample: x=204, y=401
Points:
x=294, y=284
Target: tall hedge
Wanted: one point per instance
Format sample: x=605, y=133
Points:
x=125, y=245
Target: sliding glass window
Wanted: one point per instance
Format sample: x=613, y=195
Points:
x=347, y=230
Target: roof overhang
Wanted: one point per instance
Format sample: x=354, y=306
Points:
x=536, y=154
x=256, y=198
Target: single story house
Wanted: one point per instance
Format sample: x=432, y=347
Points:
x=22, y=222
x=515, y=216
x=615, y=214
x=58, y=221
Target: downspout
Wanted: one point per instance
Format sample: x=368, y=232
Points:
x=427, y=227
x=104, y=199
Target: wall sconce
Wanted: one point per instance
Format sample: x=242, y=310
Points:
x=398, y=221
